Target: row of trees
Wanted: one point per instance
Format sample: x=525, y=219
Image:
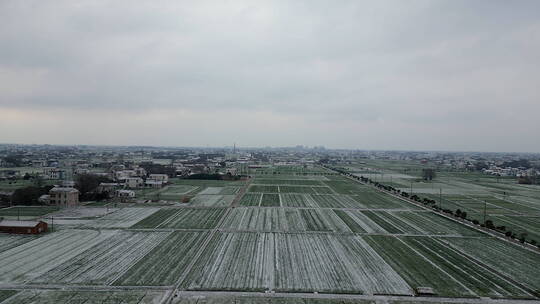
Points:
x=522, y=237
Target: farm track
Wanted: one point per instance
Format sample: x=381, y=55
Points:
x=380, y=299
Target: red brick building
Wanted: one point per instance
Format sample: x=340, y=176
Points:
x=23, y=227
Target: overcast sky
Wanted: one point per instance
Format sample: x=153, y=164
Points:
x=434, y=75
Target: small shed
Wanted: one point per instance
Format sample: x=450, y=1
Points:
x=23, y=227
x=425, y=291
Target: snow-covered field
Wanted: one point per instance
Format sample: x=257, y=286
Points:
x=211, y=200
x=34, y=258
x=104, y=262
x=122, y=218
x=86, y=297
x=293, y=262
x=8, y=241
x=81, y=212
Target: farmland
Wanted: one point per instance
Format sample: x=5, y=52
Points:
x=27, y=211
x=294, y=233
x=498, y=199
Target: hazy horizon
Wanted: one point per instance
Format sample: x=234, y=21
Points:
x=382, y=75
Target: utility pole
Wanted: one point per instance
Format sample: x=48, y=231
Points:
x=52, y=223
x=485, y=209
x=440, y=198
x=411, y=188
x=18, y=213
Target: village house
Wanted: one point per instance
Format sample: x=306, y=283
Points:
x=153, y=183
x=164, y=178
x=107, y=187
x=64, y=196
x=134, y=182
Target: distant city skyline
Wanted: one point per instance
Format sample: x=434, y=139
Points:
x=380, y=75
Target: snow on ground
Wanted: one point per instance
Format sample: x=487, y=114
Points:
x=81, y=212
x=208, y=200
x=8, y=241
x=211, y=190
x=87, y=297
x=36, y=257
x=105, y=262
x=122, y=218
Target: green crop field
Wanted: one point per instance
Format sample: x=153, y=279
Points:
x=166, y=262
x=27, y=210
x=183, y=218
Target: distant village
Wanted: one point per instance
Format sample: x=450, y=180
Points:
x=66, y=175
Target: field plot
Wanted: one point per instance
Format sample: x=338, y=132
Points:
x=270, y=200
x=293, y=182
x=358, y=222
x=251, y=199
x=4, y=294
x=330, y=263
x=122, y=218
x=296, y=200
x=81, y=212
x=32, y=259
x=209, y=200
x=296, y=189
x=176, y=192
x=214, y=299
x=335, y=201
x=414, y=268
x=520, y=264
x=263, y=189
x=283, y=219
x=166, y=262
x=211, y=190
x=8, y=241
x=473, y=276
x=343, y=185
x=378, y=200
x=86, y=297
x=27, y=211
x=234, y=261
x=183, y=218
x=229, y=190
x=105, y=261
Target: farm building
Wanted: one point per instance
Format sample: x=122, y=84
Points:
x=23, y=227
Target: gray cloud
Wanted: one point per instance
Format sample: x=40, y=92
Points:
x=329, y=69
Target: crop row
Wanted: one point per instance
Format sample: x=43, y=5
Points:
x=166, y=262
x=183, y=218
x=86, y=297
x=8, y=241
x=283, y=219
x=469, y=274
x=290, y=189
x=104, y=262
x=521, y=264
x=292, y=182
x=293, y=262
x=122, y=218
x=210, y=200
x=334, y=220
x=36, y=257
